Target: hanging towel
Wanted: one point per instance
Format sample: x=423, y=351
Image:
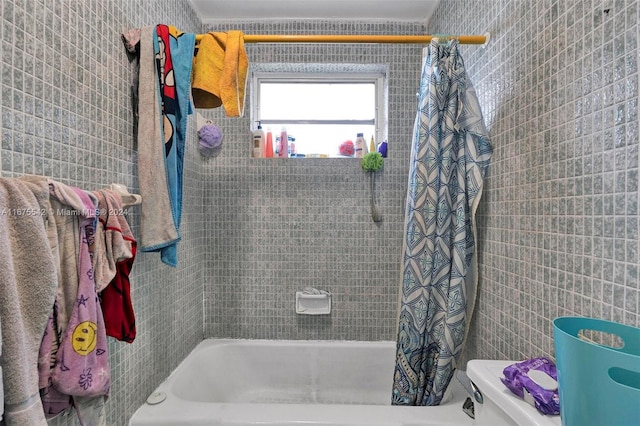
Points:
x=28, y=285
x=220, y=72
x=1, y=388
x=117, y=306
x=73, y=207
x=165, y=72
x=157, y=228
x=82, y=364
x=113, y=256
x=68, y=208
x=65, y=225
x=131, y=40
x=114, y=240
x=174, y=58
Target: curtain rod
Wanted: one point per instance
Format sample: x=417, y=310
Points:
x=400, y=39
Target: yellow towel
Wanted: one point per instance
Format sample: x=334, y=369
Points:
x=220, y=72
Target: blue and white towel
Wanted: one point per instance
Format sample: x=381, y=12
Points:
x=166, y=57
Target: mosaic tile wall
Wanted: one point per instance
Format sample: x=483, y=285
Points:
x=277, y=226
x=66, y=114
x=558, y=225
x=558, y=84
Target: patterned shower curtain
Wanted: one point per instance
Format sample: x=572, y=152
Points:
x=449, y=157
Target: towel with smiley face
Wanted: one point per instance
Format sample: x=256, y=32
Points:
x=83, y=362
x=74, y=365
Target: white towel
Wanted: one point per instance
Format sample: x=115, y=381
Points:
x=28, y=285
x=1, y=386
x=157, y=228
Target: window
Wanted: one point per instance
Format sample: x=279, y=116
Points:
x=320, y=109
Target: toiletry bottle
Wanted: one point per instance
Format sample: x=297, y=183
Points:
x=372, y=145
x=382, y=148
x=283, y=152
x=268, y=145
x=361, y=146
x=292, y=146
x=258, y=142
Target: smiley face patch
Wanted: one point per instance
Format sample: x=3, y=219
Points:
x=84, y=338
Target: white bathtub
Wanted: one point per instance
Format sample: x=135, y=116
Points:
x=312, y=383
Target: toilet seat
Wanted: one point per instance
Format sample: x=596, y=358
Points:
x=500, y=406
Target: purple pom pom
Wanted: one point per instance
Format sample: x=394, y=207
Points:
x=210, y=140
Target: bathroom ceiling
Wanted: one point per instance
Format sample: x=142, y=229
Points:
x=403, y=10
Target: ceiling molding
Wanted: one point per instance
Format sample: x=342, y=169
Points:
x=211, y=11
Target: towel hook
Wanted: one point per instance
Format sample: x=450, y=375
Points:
x=128, y=199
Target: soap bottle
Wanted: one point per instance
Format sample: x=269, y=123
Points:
x=268, y=145
x=292, y=146
x=372, y=145
x=382, y=148
x=258, y=142
x=283, y=151
x=361, y=146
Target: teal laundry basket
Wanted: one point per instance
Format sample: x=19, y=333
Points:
x=598, y=385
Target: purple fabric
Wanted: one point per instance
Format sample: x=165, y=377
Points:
x=83, y=359
x=54, y=402
x=518, y=381
x=79, y=361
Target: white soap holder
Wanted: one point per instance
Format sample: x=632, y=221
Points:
x=315, y=302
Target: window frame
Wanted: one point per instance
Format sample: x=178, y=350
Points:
x=376, y=77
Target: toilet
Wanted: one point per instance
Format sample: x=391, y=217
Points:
x=494, y=404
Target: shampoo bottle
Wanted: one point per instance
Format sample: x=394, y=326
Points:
x=361, y=146
x=258, y=142
x=284, y=144
x=268, y=145
x=372, y=145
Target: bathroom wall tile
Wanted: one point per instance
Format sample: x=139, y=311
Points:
x=66, y=113
x=278, y=226
x=558, y=223
x=559, y=80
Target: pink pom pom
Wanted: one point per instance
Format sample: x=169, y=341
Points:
x=347, y=149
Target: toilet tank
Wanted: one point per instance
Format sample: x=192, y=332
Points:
x=499, y=406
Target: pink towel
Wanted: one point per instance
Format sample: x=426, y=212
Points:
x=82, y=366
x=74, y=362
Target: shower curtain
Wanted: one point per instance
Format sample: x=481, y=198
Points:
x=449, y=157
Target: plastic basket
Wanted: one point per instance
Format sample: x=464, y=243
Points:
x=598, y=385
